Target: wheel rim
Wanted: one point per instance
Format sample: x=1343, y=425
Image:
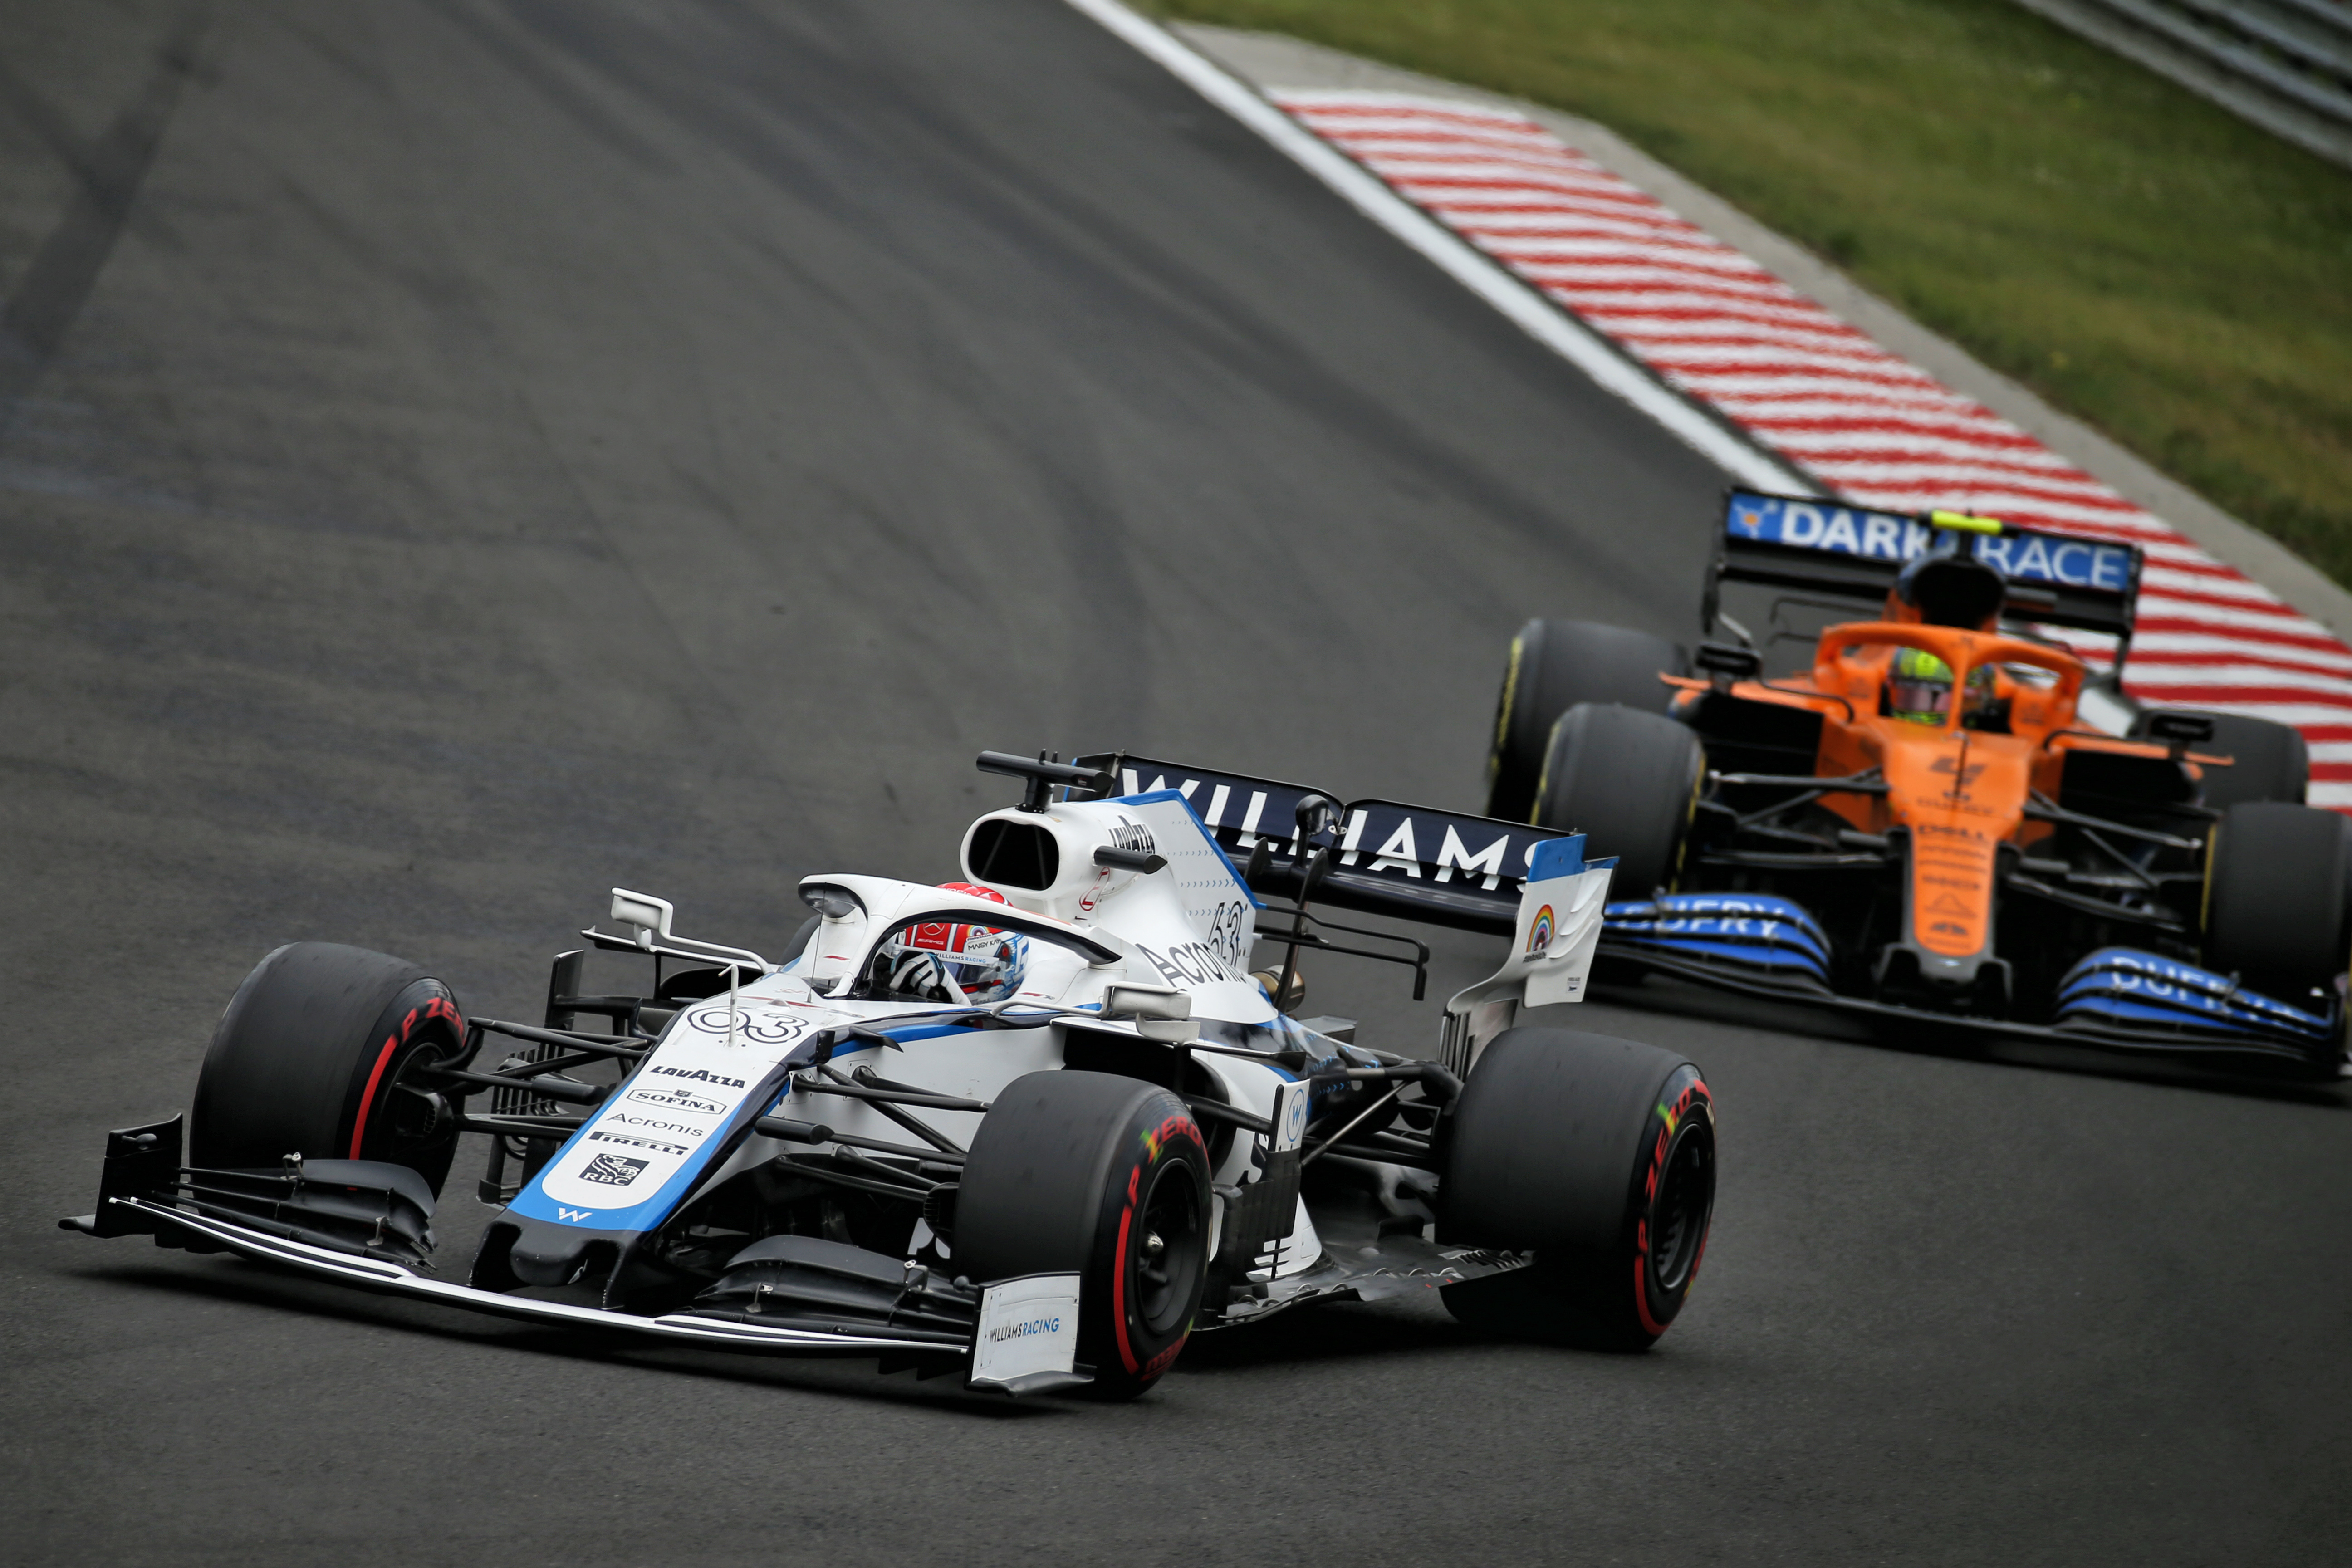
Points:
x=411, y=1121
x=1164, y=1260
x=1685, y=1198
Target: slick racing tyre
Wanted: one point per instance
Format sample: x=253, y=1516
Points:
x=1554, y=666
x=1106, y=1178
x=2268, y=761
x=1597, y=1156
x=1628, y=781
x=2275, y=897
x=318, y=1056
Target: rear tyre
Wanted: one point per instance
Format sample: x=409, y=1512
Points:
x=1554, y=666
x=1105, y=1177
x=1596, y=1155
x=2276, y=898
x=2269, y=761
x=318, y=1055
x=1628, y=781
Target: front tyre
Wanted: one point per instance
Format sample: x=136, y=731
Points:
x=1554, y=666
x=319, y=1054
x=1629, y=782
x=1596, y=1155
x=1106, y=1178
x=2276, y=897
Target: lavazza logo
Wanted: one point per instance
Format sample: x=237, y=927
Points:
x=700, y=1075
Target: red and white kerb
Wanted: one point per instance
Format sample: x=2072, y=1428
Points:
x=1869, y=427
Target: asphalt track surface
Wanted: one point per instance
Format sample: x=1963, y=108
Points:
x=460, y=457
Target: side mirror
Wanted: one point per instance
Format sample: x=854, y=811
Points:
x=1317, y=816
x=835, y=903
x=1726, y=662
x=650, y=915
x=1160, y=1013
x=1130, y=1000
x=2180, y=731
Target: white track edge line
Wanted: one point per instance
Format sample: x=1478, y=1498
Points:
x=1526, y=309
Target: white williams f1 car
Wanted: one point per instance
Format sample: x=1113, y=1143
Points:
x=1033, y=1127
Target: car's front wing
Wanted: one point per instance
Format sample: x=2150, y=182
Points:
x=391, y=1278
x=1619, y=961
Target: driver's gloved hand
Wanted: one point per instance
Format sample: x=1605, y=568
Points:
x=919, y=977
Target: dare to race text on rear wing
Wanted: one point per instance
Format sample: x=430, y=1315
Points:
x=1410, y=862
x=1853, y=552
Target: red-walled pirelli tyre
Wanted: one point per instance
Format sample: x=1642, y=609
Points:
x=1101, y=1176
x=1597, y=1156
x=317, y=1056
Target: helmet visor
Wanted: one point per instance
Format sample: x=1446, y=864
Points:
x=1921, y=701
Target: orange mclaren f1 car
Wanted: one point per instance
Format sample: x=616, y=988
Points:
x=1923, y=823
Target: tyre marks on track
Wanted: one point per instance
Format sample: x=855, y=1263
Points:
x=107, y=172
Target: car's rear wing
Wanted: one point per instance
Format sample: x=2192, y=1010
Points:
x=1853, y=552
x=1440, y=868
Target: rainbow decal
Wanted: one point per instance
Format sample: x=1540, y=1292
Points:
x=1540, y=933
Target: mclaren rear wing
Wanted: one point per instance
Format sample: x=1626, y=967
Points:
x=1853, y=553
x=1439, y=868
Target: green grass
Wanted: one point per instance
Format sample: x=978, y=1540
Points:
x=2144, y=261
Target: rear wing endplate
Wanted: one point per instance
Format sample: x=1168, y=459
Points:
x=1411, y=862
x=1853, y=552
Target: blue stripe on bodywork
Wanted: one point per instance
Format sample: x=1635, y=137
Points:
x=532, y=1202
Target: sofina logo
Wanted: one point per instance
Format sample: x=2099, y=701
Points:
x=1540, y=933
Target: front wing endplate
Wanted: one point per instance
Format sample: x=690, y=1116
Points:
x=393, y=1280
